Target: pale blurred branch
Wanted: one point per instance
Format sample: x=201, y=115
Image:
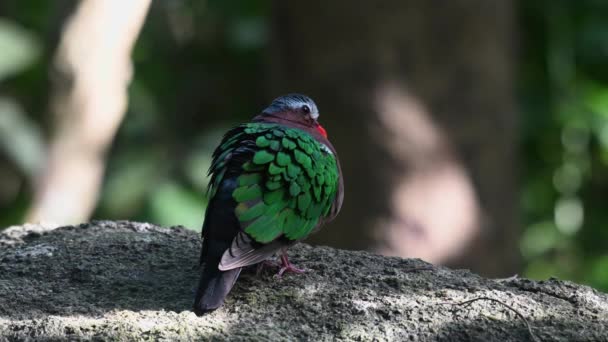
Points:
x=93, y=69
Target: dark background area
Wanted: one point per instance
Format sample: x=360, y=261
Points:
x=472, y=134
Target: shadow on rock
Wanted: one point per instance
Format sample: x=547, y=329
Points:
x=91, y=269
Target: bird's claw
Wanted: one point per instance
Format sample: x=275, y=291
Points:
x=290, y=268
x=286, y=266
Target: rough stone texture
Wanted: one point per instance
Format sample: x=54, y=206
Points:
x=130, y=281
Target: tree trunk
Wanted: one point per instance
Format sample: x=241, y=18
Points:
x=417, y=97
x=93, y=70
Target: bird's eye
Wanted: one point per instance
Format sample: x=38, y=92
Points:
x=306, y=109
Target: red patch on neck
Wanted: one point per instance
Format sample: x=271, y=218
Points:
x=322, y=130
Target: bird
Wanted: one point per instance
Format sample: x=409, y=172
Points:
x=273, y=182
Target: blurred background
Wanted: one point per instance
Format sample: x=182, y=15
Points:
x=472, y=133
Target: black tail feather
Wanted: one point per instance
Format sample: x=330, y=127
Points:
x=219, y=229
x=213, y=288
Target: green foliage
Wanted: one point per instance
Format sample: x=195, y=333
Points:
x=20, y=137
x=564, y=92
x=171, y=204
x=21, y=142
x=19, y=48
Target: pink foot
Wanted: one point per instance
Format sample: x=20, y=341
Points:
x=286, y=266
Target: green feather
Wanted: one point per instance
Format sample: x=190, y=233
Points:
x=320, y=179
x=288, y=144
x=314, y=211
x=292, y=222
x=305, y=145
x=263, y=157
x=249, y=179
x=275, y=145
x=264, y=229
x=302, y=158
x=261, y=141
x=275, y=208
x=248, y=166
x=274, y=196
x=317, y=192
x=292, y=133
x=283, y=159
x=316, y=155
x=306, y=186
x=245, y=213
x=247, y=193
x=302, y=180
x=253, y=129
x=273, y=185
x=273, y=169
x=294, y=189
x=310, y=172
x=289, y=183
x=304, y=201
x=301, y=229
x=219, y=175
x=293, y=171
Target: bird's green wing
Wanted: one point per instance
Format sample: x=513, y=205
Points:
x=288, y=184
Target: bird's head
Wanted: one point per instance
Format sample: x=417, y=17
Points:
x=294, y=109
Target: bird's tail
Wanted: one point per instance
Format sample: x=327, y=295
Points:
x=213, y=287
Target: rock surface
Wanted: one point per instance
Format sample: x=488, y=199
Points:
x=130, y=281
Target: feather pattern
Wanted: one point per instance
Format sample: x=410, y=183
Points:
x=286, y=187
